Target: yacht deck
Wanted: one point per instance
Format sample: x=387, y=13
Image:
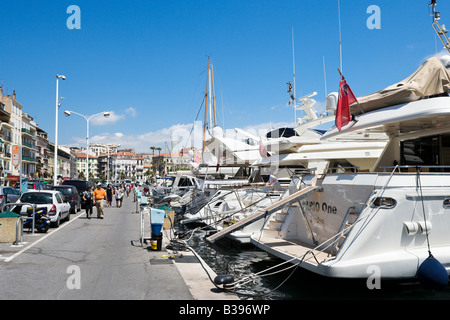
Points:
x=293, y=248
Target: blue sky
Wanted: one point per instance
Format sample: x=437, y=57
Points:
x=145, y=60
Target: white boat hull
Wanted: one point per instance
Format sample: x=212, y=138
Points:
x=379, y=241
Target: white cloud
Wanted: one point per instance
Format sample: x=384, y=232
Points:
x=439, y=55
x=176, y=136
x=103, y=121
x=131, y=111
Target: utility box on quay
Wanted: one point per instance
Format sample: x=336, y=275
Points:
x=8, y=227
x=169, y=219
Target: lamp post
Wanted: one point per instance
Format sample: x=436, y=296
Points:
x=58, y=100
x=106, y=114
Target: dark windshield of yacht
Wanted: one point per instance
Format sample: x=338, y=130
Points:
x=281, y=132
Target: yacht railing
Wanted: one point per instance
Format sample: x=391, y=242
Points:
x=414, y=167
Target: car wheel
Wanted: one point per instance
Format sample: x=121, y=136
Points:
x=43, y=229
x=57, y=223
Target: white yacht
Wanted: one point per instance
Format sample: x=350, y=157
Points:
x=389, y=208
x=268, y=182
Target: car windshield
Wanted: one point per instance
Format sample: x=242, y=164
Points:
x=37, y=198
x=80, y=185
x=65, y=191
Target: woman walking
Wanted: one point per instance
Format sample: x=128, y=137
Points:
x=87, y=197
x=109, y=195
x=119, y=196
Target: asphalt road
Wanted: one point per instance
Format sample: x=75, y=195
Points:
x=90, y=259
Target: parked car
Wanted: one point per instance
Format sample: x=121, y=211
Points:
x=71, y=195
x=58, y=209
x=8, y=195
x=81, y=185
x=31, y=186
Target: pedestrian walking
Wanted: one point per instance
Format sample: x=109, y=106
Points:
x=109, y=195
x=119, y=197
x=99, y=196
x=87, y=197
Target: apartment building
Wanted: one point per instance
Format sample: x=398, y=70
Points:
x=42, y=154
x=17, y=128
x=29, y=147
x=82, y=161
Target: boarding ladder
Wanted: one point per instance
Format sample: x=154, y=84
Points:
x=349, y=220
x=299, y=195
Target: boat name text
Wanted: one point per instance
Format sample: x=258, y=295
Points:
x=318, y=207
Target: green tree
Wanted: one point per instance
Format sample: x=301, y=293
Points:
x=81, y=175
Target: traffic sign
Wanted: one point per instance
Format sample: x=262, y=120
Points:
x=15, y=155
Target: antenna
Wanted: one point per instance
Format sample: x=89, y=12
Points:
x=293, y=64
x=440, y=30
x=325, y=77
x=340, y=35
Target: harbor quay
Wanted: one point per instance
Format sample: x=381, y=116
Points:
x=102, y=259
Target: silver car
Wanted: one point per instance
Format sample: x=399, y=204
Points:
x=8, y=195
x=57, y=207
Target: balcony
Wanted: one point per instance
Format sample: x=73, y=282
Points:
x=28, y=145
x=31, y=133
x=30, y=159
x=7, y=123
x=7, y=137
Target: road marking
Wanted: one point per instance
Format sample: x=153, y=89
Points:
x=8, y=259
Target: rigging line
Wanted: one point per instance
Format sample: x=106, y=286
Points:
x=227, y=215
x=196, y=92
x=193, y=125
x=419, y=185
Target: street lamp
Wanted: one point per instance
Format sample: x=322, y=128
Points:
x=58, y=104
x=106, y=114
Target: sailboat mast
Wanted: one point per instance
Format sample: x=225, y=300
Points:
x=213, y=95
x=209, y=96
x=206, y=106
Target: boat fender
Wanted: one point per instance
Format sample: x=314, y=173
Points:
x=224, y=279
x=411, y=227
x=425, y=227
x=432, y=274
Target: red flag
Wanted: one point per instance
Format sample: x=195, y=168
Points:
x=219, y=154
x=346, y=98
x=262, y=151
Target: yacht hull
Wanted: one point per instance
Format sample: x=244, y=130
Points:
x=363, y=225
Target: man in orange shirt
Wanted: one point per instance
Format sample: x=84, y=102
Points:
x=99, y=196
